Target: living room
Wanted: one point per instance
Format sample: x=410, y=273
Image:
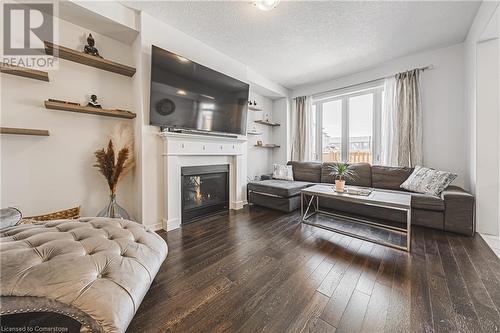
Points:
x=247, y=166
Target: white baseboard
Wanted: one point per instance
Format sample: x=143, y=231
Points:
x=156, y=226
x=493, y=242
x=237, y=205
x=171, y=224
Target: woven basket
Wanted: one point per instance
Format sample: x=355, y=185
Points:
x=71, y=213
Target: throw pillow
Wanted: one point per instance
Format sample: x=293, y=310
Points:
x=428, y=181
x=9, y=217
x=282, y=171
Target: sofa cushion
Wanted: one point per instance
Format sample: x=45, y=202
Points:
x=390, y=178
x=423, y=201
x=362, y=177
x=427, y=218
x=306, y=171
x=278, y=187
x=459, y=214
x=427, y=202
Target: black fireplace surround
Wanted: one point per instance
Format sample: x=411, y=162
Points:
x=205, y=191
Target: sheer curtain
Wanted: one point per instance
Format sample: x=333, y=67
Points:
x=388, y=133
x=302, y=129
x=401, y=133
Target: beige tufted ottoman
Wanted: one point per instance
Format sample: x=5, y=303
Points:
x=95, y=270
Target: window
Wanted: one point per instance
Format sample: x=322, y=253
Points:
x=348, y=125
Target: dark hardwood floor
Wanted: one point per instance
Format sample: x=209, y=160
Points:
x=259, y=270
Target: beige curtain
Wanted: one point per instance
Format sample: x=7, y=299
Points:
x=302, y=129
x=402, y=121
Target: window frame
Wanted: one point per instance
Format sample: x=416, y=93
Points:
x=377, y=89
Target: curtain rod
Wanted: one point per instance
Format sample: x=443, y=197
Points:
x=425, y=68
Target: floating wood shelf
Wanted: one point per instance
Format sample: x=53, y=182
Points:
x=23, y=131
x=268, y=123
x=254, y=108
x=269, y=145
x=24, y=72
x=254, y=133
x=53, y=105
x=89, y=60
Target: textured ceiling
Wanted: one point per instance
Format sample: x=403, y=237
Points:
x=304, y=42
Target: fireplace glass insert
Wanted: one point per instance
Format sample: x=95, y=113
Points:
x=205, y=191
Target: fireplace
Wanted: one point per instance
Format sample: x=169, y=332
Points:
x=205, y=191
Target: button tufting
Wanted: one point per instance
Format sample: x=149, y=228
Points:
x=54, y=242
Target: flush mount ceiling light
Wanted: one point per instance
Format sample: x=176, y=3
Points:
x=266, y=5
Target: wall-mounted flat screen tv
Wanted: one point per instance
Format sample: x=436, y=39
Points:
x=187, y=95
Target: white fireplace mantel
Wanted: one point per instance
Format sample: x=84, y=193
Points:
x=181, y=149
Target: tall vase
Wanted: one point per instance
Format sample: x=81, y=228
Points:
x=113, y=209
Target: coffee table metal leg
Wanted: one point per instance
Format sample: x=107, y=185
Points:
x=408, y=230
x=310, y=202
x=312, y=208
x=302, y=207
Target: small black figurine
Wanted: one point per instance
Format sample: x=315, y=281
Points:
x=90, y=48
x=93, y=102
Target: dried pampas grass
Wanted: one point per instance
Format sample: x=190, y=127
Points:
x=123, y=137
x=115, y=166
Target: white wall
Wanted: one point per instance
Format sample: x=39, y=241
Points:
x=44, y=174
x=153, y=31
x=482, y=19
x=487, y=138
x=442, y=103
x=485, y=150
x=109, y=18
x=260, y=160
x=281, y=114
x=485, y=208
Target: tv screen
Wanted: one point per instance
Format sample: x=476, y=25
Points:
x=187, y=95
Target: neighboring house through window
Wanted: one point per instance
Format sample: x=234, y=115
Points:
x=347, y=123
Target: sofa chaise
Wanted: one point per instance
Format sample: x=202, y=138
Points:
x=452, y=211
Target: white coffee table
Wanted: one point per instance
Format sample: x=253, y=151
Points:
x=377, y=198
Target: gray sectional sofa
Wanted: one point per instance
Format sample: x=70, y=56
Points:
x=452, y=211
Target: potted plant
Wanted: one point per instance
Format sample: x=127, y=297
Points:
x=341, y=171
